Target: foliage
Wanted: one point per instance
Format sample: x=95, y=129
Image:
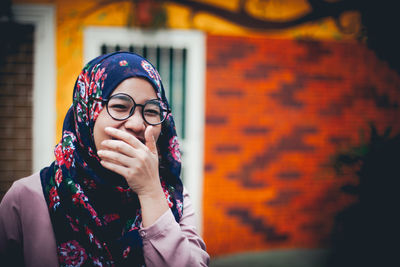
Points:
x=380, y=20
x=366, y=233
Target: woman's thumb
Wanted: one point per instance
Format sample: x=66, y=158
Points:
x=150, y=141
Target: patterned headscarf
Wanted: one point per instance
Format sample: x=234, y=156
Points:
x=94, y=213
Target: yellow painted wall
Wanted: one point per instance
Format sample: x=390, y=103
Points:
x=72, y=16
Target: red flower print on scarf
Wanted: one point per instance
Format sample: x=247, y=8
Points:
x=98, y=81
x=123, y=63
x=80, y=198
x=95, y=110
x=64, y=151
x=73, y=223
x=81, y=116
x=94, y=214
x=99, y=74
x=179, y=206
x=82, y=87
x=135, y=223
x=96, y=262
x=174, y=148
x=54, y=198
x=167, y=194
x=111, y=217
x=58, y=177
x=92, y=154
x=89, y=183
x=82, y=81
x=59, y=154
x=125, y=254
x=71, y=254
x=68, y=157
x=152, y=72
x=93, y=239
x=92, y=88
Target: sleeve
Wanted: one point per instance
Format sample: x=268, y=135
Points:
x=11, y=251
x=167, y=243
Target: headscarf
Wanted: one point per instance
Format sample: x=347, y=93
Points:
x=94, y=213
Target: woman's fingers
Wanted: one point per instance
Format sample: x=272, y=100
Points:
x=119, y=146
x=124, y=136
x=150, y=141
x=114, y=157
x=121, y=170
x=135, y=158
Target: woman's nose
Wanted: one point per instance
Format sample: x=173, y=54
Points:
x=135, y=122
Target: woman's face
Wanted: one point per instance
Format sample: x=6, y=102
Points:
x=141, y=91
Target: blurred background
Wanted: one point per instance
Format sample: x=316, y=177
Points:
x=287, y=111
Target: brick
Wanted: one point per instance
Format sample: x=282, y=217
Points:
x=276, y=114
x=16, y=110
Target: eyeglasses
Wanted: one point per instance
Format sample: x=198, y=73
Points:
x=122, y=106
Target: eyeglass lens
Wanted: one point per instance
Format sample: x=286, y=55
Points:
x=121, y=107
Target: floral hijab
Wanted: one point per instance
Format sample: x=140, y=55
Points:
x=94, y=213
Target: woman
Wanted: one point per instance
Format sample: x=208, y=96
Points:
x=113, y=196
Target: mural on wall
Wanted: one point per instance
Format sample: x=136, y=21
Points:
x=267, y=15
x=283, y=110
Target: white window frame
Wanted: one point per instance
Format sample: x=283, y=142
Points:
x=194, y=43
x=42, y=17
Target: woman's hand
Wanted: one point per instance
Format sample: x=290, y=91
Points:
x=138, y=163
x=128, y=156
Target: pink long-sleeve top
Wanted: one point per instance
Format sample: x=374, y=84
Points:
x=27, y=237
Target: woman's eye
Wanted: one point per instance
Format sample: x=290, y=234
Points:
x=152, y=112
x=119, y=107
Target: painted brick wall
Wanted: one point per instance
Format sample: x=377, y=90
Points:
x=277, y=111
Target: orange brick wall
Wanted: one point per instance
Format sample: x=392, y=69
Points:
x=277, y=111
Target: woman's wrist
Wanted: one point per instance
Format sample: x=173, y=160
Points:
x=153, y=204
x=152, y=189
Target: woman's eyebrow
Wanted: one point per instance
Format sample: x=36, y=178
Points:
x=120, y=96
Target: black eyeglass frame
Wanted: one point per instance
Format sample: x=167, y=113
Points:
x=105, y=102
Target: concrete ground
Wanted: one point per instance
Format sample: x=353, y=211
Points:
x=274, y=258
